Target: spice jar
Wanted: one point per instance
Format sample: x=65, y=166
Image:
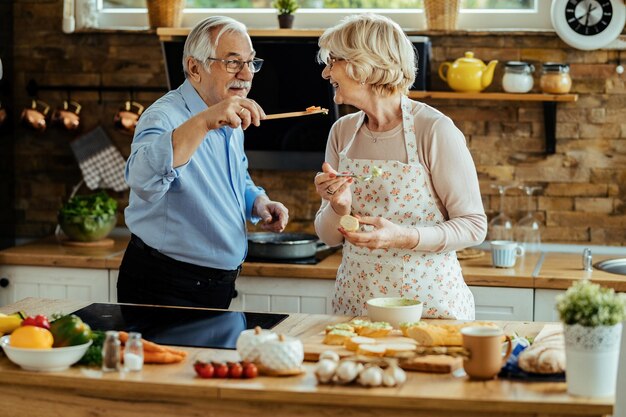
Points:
x=518, y=77
x=111, y=351
x=133, y=352
x=555, y=78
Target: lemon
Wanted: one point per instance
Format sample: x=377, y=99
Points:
x=31, y=337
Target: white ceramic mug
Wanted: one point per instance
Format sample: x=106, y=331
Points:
x=505, y=252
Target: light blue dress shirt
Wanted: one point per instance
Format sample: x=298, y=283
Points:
x=197, y=212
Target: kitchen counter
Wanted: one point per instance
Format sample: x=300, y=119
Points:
x=549, y=270
x=173, y=390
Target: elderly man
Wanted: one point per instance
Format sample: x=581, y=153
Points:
x=190, y=189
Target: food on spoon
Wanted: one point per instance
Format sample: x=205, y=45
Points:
x=313, y=108
x=377, y=171
x=349, y=223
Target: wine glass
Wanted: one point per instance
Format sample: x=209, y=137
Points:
x=501, y=226
x=528, y=228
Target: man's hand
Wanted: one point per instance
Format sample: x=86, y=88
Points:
x=234, y=112
x=273, y=214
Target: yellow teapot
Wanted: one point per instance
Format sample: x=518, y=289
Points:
x=468, y=74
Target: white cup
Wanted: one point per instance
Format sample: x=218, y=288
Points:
x=505, y=252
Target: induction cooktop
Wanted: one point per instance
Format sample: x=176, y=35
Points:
x=193, y=327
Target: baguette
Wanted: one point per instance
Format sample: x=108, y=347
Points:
x=427, y=334
x=353, y=343
x=546, y=355
x=371, y=350
x=337, y=337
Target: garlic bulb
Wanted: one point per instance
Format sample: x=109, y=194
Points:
x=325, y=370
x=347, y=371
x=329, y=354
x=371, y=377
x=395, y=374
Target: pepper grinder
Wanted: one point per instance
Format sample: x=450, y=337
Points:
x=111, y=351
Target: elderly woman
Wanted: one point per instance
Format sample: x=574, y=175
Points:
x=424, y=206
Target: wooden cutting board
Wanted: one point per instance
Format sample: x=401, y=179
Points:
x=314, y=346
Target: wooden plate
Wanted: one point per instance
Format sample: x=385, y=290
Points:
x=102, y=243
x=469, y=253
x=288, y=372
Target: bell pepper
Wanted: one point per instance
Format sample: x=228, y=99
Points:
x=38, y=321
x=70, y=330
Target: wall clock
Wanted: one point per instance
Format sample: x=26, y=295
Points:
x=588, y=24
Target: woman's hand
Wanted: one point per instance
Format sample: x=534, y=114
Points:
x=385, y=235
x=335, y=190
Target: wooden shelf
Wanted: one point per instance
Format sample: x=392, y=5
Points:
x=549, y=106
x=451, y=95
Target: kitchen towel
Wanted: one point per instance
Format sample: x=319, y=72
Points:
x=101, y=163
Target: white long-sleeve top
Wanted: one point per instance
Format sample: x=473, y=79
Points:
x=442, y=150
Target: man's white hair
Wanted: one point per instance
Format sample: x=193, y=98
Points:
x=205, y=36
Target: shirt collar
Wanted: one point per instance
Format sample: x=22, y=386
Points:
x=192, y=98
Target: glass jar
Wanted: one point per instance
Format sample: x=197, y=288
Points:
x=518, y=77
x=111, y=351
x=555, y=78
x=133, y=352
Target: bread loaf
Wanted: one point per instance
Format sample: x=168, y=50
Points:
x=546, y=355
x=427, y=334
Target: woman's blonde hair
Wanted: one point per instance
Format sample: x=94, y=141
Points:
x=377, y=51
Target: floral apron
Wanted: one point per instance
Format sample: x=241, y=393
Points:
x=403, y=194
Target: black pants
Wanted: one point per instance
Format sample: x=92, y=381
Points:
x=149, y=277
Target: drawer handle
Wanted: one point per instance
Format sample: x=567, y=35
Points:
x=4, y=282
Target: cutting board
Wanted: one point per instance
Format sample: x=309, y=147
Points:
x=314, y=346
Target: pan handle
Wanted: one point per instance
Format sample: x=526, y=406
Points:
x=321, y=246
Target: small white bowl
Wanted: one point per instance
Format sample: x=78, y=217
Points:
x=394, y=310
x=44, y=360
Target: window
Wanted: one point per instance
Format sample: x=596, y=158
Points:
x=314, y=14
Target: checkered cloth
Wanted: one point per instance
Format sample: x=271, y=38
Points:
x=101, y=163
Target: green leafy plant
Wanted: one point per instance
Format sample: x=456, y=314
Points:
x=88, y=217
x=285, y=6
x=591, y=305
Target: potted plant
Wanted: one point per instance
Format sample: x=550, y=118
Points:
x=286, y=9
x=592, y=319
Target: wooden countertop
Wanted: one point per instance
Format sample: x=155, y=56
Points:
x=173, y=390
x=549, y=270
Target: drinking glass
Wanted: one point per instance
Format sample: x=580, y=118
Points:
x=501, y=226
x=528, y=228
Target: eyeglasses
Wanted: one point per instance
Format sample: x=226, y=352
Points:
x=235, y=65
x=331, y=61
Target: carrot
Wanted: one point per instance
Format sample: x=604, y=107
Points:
x=158, y=357
x=147, y=345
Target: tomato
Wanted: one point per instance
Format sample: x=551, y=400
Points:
x=204, y=369
x=221, y=370
x=235, y=370
x=38, y=321
x=250, y=370
x=70, y=330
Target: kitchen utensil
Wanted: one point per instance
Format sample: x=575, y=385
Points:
x=268, y=245
x=36, y=116
x=67, y=116
x=295, y=114
x=467, y=74
x=394, y=310
x=125, y=120
x=45, y=360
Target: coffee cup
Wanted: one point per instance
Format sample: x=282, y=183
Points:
x=127, y=117
x=67, y=116
x=484, y=346
x=505, y=252
x=36, y=116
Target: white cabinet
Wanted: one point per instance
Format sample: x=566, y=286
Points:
x=545, y=305
x=284, y=295
x=498, y=303
x=81, y=284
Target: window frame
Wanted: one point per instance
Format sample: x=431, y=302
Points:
x=409, y=19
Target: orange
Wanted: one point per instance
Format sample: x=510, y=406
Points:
x=31, y=337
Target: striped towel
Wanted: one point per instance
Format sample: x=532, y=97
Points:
x=101, y=163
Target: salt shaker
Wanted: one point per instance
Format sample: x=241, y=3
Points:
x=133, y=352
x=111, y=351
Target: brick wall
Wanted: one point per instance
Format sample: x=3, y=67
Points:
x=583, y=183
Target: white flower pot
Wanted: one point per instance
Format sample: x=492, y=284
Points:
x=592, y=354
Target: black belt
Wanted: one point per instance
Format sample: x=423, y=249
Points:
x=140, y=244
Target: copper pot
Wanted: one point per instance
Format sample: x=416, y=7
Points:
x=67, y=117
x=36, y=116
x=125, y=120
